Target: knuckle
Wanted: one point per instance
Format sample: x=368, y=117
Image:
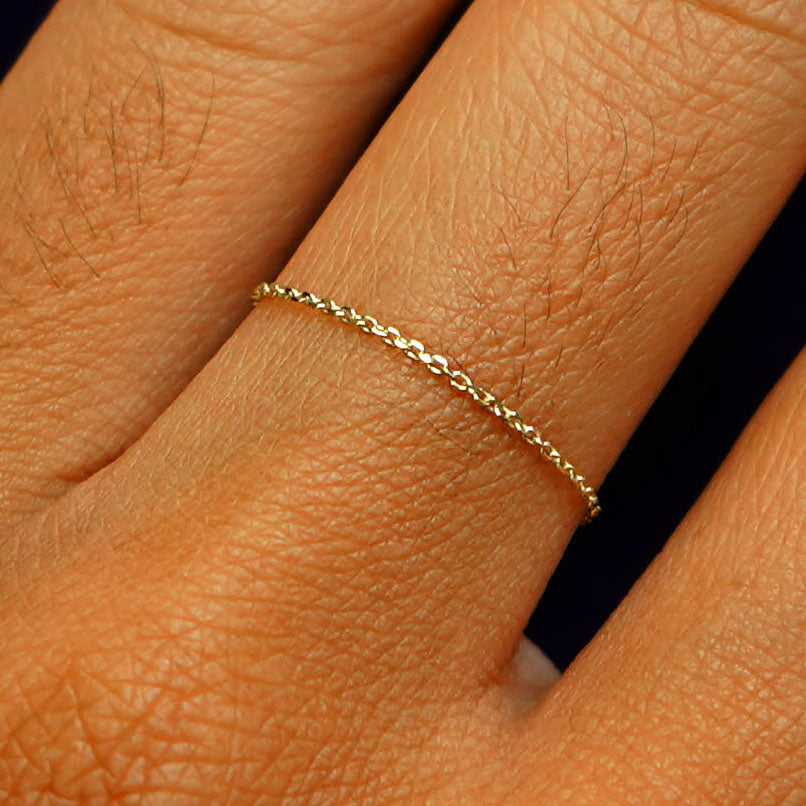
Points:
x=220, y=700
x=206, y=679
x=97, y=727
x=156, y=719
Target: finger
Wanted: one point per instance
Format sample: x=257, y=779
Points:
x=176, y=155
x=479, y=275
x=592, y=363
x=334, y=518
x=696, y=685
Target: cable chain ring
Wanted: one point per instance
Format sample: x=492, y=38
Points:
x=439, y=365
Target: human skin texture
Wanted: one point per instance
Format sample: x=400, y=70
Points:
x=284, y=565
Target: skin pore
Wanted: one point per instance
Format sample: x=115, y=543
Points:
x=261, y=559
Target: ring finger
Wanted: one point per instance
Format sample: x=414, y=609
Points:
x=564, y=235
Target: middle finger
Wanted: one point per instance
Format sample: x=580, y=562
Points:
x=183, y=147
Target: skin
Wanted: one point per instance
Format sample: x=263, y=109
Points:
x=283, y=565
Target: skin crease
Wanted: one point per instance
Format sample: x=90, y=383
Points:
x=306, y=582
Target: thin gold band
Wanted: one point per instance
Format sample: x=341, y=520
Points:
x=439, y=365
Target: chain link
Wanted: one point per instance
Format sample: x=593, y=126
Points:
x=439, y=365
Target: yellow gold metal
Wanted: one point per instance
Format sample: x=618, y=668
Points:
x=439, y=365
